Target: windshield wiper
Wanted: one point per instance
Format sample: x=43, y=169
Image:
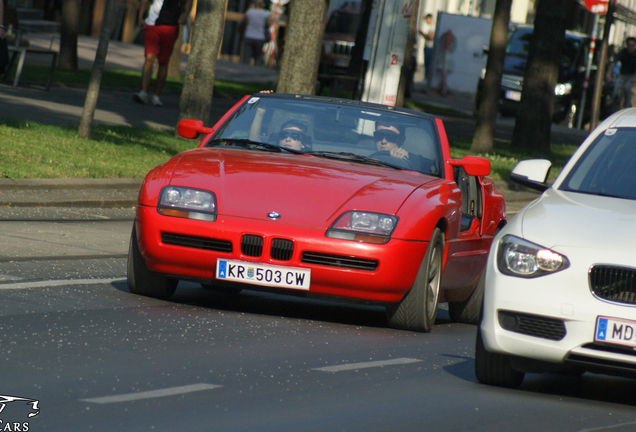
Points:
x=249, y=144
x=355, y=158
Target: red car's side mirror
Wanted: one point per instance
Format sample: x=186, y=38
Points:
x=189, y=128
x=473, y=165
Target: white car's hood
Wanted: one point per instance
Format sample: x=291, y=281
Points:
x=568, y=219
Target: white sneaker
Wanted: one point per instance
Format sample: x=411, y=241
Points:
x=141, y=97
x=156, y=101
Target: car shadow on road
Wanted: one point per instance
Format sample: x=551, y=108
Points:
x=588, y=387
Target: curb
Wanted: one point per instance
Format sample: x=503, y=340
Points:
x=39, y=184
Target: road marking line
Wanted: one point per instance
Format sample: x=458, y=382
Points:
x=363, y=365
x=51, y=283
x=172, y=391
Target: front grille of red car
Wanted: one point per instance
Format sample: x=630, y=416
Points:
x=196, y=242
x=282, y=249
x=614, y=283
x=339, y=261
x=252, y=245
x=532, y=325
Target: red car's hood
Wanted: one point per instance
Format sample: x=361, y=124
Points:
x=305, y=190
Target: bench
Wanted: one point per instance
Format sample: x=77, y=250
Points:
x=19, y=52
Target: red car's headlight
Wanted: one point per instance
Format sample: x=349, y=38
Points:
x=187, y=203
x=365, y=227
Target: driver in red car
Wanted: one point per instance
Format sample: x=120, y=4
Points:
x=390, y=138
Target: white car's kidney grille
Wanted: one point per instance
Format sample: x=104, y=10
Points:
x=532, y=325
x=614, y=283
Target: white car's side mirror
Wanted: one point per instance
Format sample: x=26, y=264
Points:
x=532, y=173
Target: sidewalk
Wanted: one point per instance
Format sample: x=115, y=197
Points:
x=108, y=197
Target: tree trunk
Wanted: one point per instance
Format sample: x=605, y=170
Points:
x=70, y=29
x=174, y=65
x=86, y=122
x=534, y=119
x=408, y=68
x=301, y=56
x=488, y=103
x=198, y=85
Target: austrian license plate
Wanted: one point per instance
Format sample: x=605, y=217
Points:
x=615, y=331
x=263, y=274
x=513, y=95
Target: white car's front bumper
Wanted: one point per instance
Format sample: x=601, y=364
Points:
x=549, y=305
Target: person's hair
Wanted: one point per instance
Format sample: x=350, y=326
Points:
x=428, y=16
x=401, y=129
x=630, y=39
x=258, y=4
x=295, y=123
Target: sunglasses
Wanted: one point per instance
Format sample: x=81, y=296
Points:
x=387, y=135
x=296, y=136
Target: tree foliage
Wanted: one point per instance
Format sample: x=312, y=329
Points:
x=301, y=55
x=488, y=103
x=198, y=85
x=534, y=119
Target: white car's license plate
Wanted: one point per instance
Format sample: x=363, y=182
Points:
x=615, y=331
x=513, y=95
x=263, y=274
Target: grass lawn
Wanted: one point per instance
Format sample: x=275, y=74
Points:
x=35, y=150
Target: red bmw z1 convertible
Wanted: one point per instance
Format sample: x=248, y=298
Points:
x=323, y=197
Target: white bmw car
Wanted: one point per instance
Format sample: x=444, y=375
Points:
x=560, y=281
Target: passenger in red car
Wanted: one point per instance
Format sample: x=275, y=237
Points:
x=293, y=135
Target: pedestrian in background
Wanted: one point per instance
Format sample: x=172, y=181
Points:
x=626, y=74
x=256, y=23
x=161, y=30
x=428, y=33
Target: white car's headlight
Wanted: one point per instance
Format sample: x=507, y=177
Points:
x=364, y=227
x=518, y=257
x=187, y=203
x=563, y=89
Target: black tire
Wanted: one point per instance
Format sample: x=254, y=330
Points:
x=142, y=281
x=495, y=369
x=468, y=311
x=418, y=309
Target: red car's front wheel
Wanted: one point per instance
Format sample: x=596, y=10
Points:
x=141, y=280
x=418, y=309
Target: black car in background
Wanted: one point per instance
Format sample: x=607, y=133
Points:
x=569, y=88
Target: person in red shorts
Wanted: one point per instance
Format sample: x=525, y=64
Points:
x=161, y=30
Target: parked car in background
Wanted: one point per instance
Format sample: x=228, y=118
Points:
x=339, y=39
x=560, y=282
x=569, y=88
x=320, y=197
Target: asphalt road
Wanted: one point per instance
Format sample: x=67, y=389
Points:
x=97, y=357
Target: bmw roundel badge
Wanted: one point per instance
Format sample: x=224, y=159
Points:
x=273, y=215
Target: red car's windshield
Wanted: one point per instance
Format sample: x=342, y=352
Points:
x=328, y=129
